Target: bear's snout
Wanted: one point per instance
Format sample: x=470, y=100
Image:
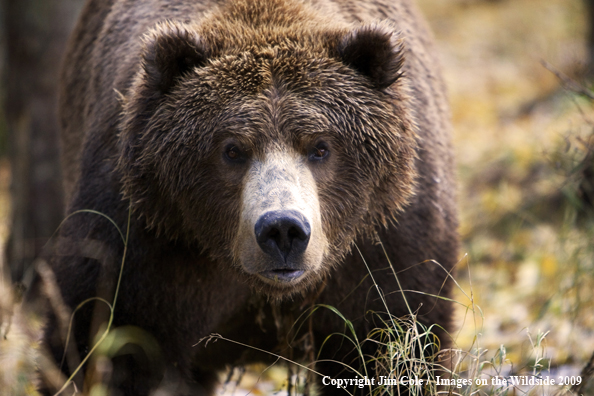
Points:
x=280, y=237
x=283, y=235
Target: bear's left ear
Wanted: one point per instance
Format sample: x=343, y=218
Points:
x=171, y=49
x=376, y=51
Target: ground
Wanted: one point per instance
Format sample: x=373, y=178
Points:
x=511, y=121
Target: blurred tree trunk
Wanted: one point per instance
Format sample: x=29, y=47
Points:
x=35, y=33
x=590, y=37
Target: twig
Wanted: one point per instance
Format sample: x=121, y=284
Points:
x=567, y=82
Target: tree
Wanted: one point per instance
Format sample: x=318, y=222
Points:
x=35, y=34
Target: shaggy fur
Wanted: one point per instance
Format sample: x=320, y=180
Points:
x=153, y=94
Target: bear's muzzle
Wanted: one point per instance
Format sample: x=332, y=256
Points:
x=283, y=235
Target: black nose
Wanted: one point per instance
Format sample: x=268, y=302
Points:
x=282, y=232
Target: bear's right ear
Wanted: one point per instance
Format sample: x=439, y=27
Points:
x=171, y=49
x=376, y=51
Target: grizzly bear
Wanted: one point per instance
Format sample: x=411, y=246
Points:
x=254, y=154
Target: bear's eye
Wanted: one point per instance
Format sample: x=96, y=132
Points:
x=319, y=152
x=233, y=153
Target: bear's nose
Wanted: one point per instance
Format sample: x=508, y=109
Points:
x=282, y=233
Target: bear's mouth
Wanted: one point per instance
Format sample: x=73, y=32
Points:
x=284, y=275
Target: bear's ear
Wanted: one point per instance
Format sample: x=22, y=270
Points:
x=171, y=49
x=376, y=51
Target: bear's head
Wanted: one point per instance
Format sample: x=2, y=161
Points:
x=269, y=142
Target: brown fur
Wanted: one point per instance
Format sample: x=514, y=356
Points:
x=152, y=92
